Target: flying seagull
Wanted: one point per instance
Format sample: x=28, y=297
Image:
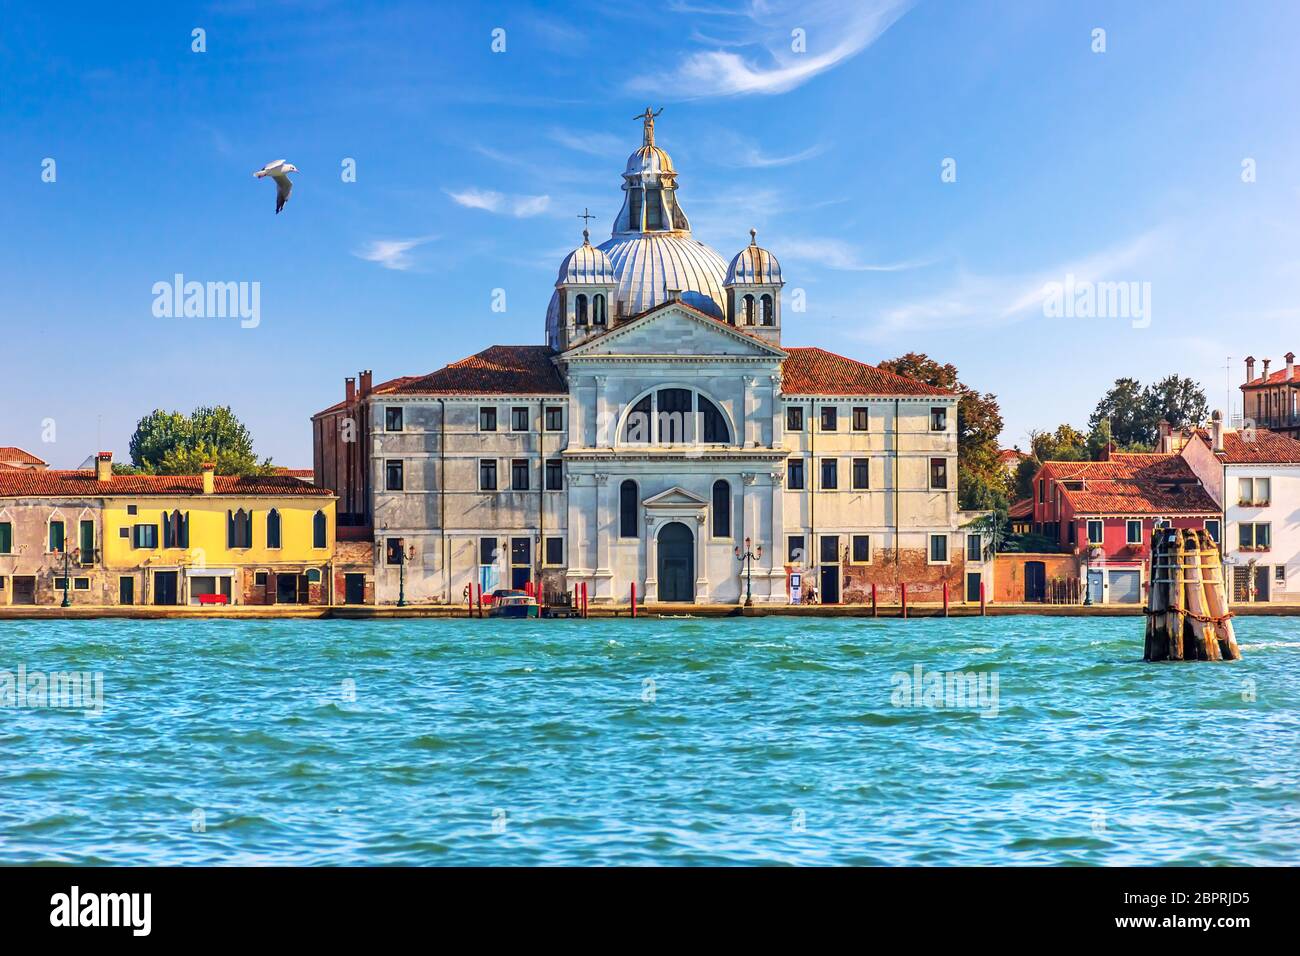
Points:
x=277, y=171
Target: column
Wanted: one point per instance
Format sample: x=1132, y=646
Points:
x=701, y=568
x=652, y=560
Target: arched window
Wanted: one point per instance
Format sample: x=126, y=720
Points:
x=313, y=575
x=597, y=310
x=675, y=416
x=627, y=509
x=319, y=527
x=769, y=312
x=713, y=424
x=580, y=309
x=721, y=509
x=273, y=528
x=748, y=305
x=639, y=427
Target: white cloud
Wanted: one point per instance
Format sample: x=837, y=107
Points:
x=742, y=153
x=849, y=26
x=392, y=253
x=835, y=254
x=520, y=207
x=593, y=144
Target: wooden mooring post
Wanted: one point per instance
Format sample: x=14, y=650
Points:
x=1187, y=604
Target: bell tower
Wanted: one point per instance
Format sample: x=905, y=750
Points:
x=753, y=288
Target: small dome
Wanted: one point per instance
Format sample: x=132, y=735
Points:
x=586, y=265
x=650, y=161
x=754, y=265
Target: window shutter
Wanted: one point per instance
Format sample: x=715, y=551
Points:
x=230, y=529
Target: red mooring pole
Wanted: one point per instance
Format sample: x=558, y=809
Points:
x=875, y=611
x=634, y=599
x=983, y=608
x=584, y=598
x=903, y=591
x=945, y=598
x=480, y=601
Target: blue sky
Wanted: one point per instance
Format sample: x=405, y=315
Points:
x=472, y=166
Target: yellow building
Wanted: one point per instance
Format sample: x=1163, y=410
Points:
x=183, y=539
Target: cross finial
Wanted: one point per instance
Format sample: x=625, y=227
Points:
x=586, y=217
x=648, y=125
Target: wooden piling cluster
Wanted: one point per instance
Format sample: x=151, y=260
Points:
x=1187, y=607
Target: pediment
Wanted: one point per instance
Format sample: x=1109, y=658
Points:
x=674, y=329
x=675, y=497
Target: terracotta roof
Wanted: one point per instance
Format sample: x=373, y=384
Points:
x=1264, y=448
x=500, y=369
x=82, y=484
x=1011, y=454
x=1133, y=484
x=813, y=371
x=300, y=473
x=16, y=456
x=1275, y=378
x=1021, y=509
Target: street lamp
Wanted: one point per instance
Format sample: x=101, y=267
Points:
x=67, y=602
x=747, y=558
x=401, y=573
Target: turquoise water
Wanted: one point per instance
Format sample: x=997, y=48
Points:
x=756, y=741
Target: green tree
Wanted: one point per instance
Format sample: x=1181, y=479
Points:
x=1125, y=407
x=1178, y=400
x=169, y=443
x=1134, y=412
x=982, y=482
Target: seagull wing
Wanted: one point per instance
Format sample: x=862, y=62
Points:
x=269, y=169
x=282, y=189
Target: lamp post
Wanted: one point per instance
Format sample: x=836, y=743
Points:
x=747, y=558
x=401, y=573
x=67, y=602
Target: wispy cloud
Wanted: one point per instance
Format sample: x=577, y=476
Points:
x=392, y=253
x=833, y=31
x=593, y=144
x=839, y=255
x=740, y=153
x=489, y=200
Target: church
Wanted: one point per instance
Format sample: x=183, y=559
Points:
x=661, y=434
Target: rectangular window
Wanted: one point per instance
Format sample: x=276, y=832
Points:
x=938, y=419
x=1255, y=536
x=861, y=474
x=938, y=549
x=393, y=476
x=794, y=549
x=554, y=418
x=1095, y=531
x=487, y=419
x=794, y=419
x=554, y=550
x=56, y=536
x=519, y=419
x=393, y=419
x=395, y=551
x=132, y=509
x=487, y=550
x=938, y=474
x=1279, y=575
x=830, y=474
x=259, y=579
x=554, y=474
x=1212, y=526
x=861, y=548
x=974, y=547
x=1042, y=490
x=144, y=536
x=830, y=418
x=861, y=419
x=6, y=537
x=794, y=474
x=519, y=474
x=81, y=584
x=830, y=549
x=1133, y=531
x=1253, y=492
x=487, y=474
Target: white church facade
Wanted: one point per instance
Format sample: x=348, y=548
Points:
x=662, y=428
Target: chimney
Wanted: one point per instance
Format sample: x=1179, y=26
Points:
x=1250, y=368
x=1166, y=437
x=209, y=477
x=1216, y=430
x=1106, y=452
x=366, y=378
x=1266, y=361
x=349, y=389
x=1290, y=365
x=104, y=466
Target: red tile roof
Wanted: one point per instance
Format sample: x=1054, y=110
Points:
x=16, y=456
x=813, y=371
x=1023, y=508
x=1275, y=378
x=82, y=484
x=1263, y=448
x=1133, y=484
x=500, y=369
x=1011, y=454
x=300, y=473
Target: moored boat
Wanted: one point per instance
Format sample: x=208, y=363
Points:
x=512, y=604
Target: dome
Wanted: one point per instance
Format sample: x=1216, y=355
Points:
x=754, y=265
x=585, y=265
x=649, y=161
x=648, y=265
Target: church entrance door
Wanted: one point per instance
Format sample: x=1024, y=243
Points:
x=676, y=563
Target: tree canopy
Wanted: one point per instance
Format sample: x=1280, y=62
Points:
x=171, y=443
